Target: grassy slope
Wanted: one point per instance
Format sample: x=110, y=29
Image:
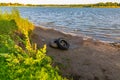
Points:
x=19, y=59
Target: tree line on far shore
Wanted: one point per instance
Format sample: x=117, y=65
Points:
x=101, y=4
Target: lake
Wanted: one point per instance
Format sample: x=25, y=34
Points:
x=98, y=23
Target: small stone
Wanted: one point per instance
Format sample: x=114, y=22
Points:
x=43, y=40
x=53, y=44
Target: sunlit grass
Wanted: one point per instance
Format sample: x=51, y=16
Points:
x=23, y=24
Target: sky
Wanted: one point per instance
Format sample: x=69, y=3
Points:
x=57, y=1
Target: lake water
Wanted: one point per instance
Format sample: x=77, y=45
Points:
x=98, y=23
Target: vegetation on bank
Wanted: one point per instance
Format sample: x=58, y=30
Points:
x=99, y=5
x=19, y=57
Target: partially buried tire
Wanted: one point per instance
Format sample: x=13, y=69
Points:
x=62, y=44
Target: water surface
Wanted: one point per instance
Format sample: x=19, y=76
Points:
x=99, y=23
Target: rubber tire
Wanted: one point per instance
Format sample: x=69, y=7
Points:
x=62, y=44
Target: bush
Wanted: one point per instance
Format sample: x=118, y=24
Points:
x=16, y=62
x=26, y=67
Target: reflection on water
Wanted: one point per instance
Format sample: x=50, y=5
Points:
x=99, y=23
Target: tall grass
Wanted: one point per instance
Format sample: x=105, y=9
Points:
x=19, y=60
x=23, y=24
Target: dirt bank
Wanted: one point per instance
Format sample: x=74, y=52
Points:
x=85, y=60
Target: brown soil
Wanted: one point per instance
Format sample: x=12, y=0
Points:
x=85, y=59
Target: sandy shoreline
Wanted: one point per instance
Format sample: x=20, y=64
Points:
x=85, y=60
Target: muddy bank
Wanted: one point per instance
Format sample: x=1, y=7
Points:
x=85, y=59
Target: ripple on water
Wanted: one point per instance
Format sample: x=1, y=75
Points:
x=99, y=23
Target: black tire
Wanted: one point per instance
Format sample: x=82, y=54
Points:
x=62, y=44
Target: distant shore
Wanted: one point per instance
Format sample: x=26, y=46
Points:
x=96, y=5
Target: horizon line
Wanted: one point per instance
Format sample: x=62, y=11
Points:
x=55, y=3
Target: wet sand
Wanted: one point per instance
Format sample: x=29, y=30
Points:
x=85, y=59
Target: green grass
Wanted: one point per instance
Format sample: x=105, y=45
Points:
x=19, y=59
x=6, y=26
